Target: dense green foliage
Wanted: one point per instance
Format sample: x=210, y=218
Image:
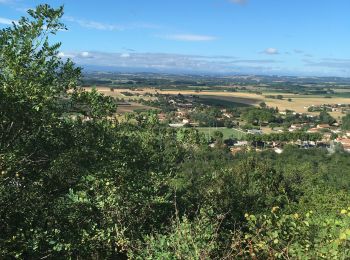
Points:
x=77, y=184
x=326, y=118
x=285, y=137
x=259, y=116
x=346, y=122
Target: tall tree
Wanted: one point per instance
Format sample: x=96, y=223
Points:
x=326, y=118
x=346, y=122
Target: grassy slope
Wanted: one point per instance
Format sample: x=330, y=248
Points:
x=228, y=132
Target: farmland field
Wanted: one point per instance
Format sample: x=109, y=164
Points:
x=128, y=106
x=118, y=93
x=298, y=103
x=220, y=101
x=239, y=97
x=132, y=107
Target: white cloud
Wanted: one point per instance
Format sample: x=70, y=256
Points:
x=271, y=51
x=125, y=55
x=181, y=63
x=85, y=54
x=99, y=26
x=256, y=61
x=171, y=62
x=189, y=37
x=94, y=25
x=6, y=21
x=90, y=24
x=65, y=55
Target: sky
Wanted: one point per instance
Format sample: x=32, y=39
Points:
x=272, y=37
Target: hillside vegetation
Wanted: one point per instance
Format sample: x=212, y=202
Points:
x=77, y=184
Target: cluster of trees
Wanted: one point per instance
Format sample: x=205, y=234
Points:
x=161, y=102
x=274, y=97
x=346, y=122
x=285, y=137
x=207, y=116
x=258, y=116
x=291, y=118
x=326, y=118
x=319, y=109
x=270, y=116
x=103, y=189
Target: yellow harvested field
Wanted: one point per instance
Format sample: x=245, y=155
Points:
x=212, y=93
x=124, y=108
x=117, y=93
x=299, y=102
x=132, y=107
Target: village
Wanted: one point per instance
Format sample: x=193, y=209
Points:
x=244, y=120
x=260, y=127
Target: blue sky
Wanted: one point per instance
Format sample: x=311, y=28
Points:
x=285, y=37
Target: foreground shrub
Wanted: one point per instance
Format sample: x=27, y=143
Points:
x=185, y=240
x=294, y=236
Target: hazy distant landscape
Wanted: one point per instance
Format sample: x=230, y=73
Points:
x=243, y=90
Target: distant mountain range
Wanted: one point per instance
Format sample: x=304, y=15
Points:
x=151, y=72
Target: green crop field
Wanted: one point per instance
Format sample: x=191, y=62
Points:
x=228, y=132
